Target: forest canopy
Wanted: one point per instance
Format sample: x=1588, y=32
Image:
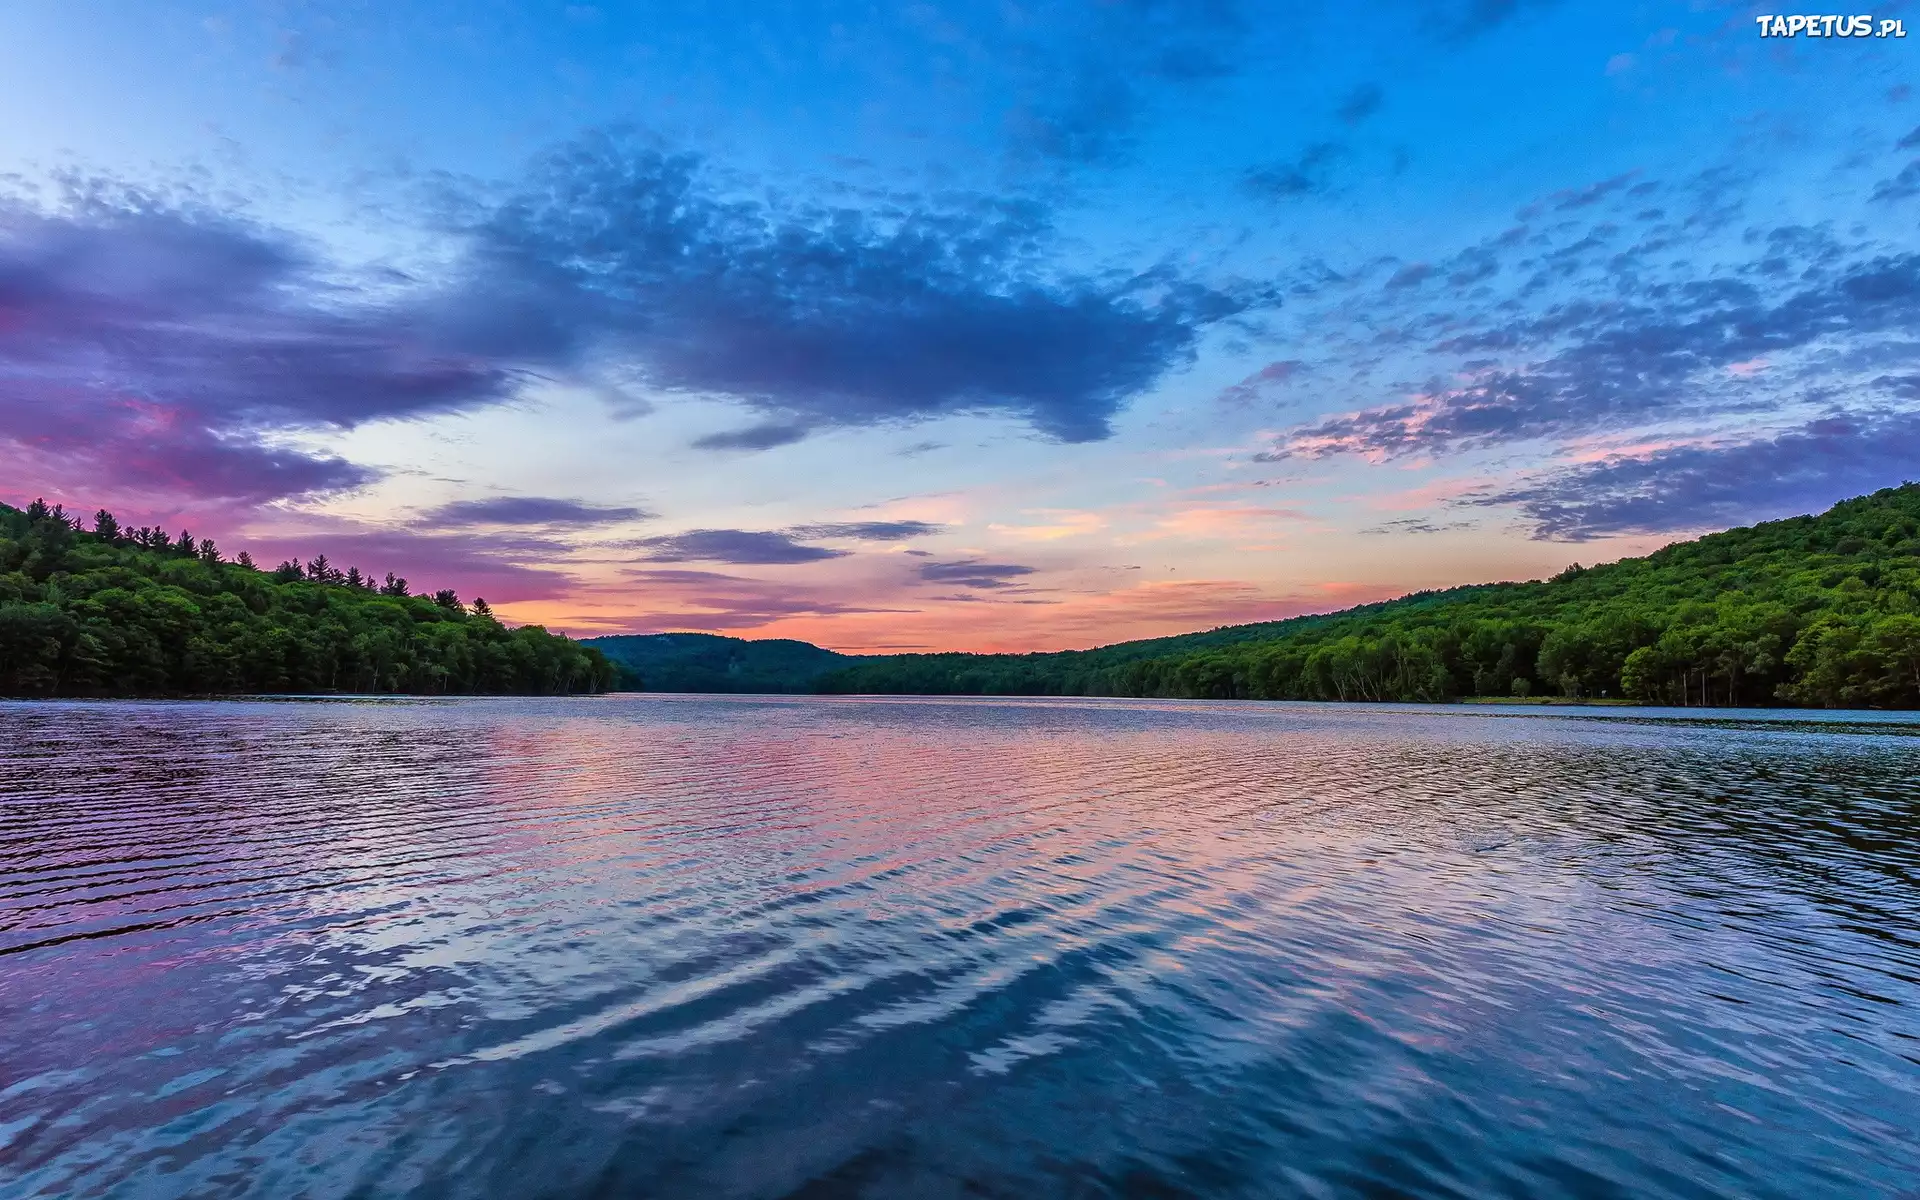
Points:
x=1817, y=611
x=109, y=611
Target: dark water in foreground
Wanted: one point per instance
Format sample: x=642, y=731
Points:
x=813, y=948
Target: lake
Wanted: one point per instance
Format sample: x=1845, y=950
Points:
x=812, y=947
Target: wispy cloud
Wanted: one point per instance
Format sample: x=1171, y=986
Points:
x=1726, y=482
x=155, y=347
x=1309, y=173
x=532, y=510
x=740, y=546
x=866, y=531
x=1362, y=102
x=719, y=602
x=502, y=567
x=974, y=573
x=1613, y=363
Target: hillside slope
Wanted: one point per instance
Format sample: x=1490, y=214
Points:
x=705, y=662
x=113, y=612
x=1818, y=610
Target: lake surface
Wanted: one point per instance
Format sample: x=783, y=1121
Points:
x=724, y=946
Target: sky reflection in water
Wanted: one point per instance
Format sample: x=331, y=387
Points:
x=727, y=946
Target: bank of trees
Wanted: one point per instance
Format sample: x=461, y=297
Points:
x=105, y=610
x=1818, y=611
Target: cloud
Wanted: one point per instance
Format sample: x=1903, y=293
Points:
x=1309, y=174
x=1227, y=520
x=1464, y=20
x=1416, y=525
x=153, y=346
x=1592, y=194
x=531, y=510
x=1619, y=363
x=1360, y=104
x=1411, y=275
x=739, y=546
x=1251, y=388
x=493, y=565
x=1090, y=79
x=764, y=436
x=1090, y=121
x=115, y=448
x=867, y=531
x=972, y=573
x=1902, y=185
x=713, y=600
x=819, y=317
x=1689, y=487
x=775, y=547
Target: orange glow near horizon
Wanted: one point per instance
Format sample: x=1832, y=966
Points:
x=1148, y=610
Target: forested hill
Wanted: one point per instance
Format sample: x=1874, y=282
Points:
x=113, y=612
x=705, y=662
x=1821, y=611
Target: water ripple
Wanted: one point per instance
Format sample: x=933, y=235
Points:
x=734, y=946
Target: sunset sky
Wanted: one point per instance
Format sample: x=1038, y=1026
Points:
x=991, y=326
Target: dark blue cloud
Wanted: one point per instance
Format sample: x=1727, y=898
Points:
x=1463, y=20
x=867, y=531
x=740, y=546
x=146, y=345
x=702, y=600
x=1685, y=488
x=1902, y=186
x=154, y=344
x=1309, y=174
x=1360, y=104
x=1612, y=364
x=1091, y=73
x=531, y=510
x=764, y=436
x=776, y=547
x=1411, y=275
x=972, y=573
x=817, y=316
x=1590, y=195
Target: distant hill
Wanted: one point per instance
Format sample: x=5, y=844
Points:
x=1817, y=610
x=705, y=662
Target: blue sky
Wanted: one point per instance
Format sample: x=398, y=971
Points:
x=992, y=326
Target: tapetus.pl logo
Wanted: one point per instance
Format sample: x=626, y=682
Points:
x=1830, y=25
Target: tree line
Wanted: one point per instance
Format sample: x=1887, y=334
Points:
x=113, y=611
x=1817, y=611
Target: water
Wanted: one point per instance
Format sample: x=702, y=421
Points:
x=718, y=946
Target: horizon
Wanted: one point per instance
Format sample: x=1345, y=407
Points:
x=977, y=327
